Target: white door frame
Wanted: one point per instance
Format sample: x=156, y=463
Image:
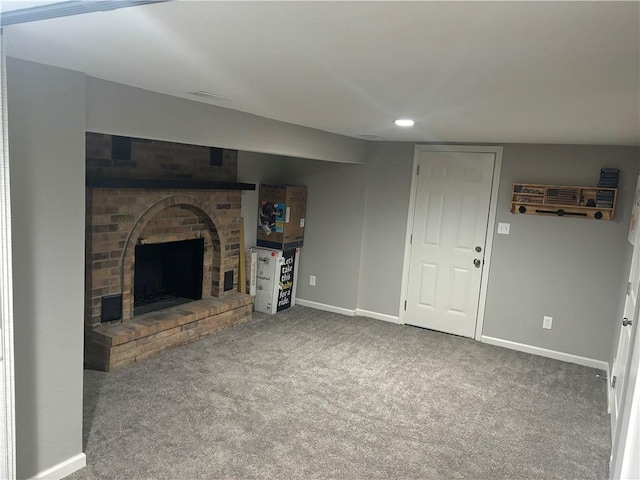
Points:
x=7, y=388
x=497, y=166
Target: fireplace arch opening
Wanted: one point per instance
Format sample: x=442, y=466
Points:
x=167, y=274
x=172, y=256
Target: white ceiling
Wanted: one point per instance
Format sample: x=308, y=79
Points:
x=535, y=72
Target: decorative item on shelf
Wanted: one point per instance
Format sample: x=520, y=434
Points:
x=604, y=198
x=562, y=195
x=608, y=178
x=525, y=199
x=564, y=201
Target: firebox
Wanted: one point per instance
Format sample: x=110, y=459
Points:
x=167, y=274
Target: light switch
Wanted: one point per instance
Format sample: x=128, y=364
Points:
x=503, y=228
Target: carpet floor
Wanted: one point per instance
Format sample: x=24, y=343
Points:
x=307, y=394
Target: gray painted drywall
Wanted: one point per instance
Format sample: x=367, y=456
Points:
x=333, y=226
x=46, y=108
x=333, y=229
x=386, y=204
x=123, y=110
x=567, y=268
x=572, y=269
x=256, y=168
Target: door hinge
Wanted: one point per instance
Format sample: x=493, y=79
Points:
x=418, y=171
x=411, y=239
x=405, y=305
x=628, y=288
x=613, y=381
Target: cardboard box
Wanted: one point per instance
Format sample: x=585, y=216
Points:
x=276, y=279
x=281, y=212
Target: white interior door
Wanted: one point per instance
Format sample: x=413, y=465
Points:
x=451, y=214
x=620, y=363
x=625, y=459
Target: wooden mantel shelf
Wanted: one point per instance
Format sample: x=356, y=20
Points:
x=105, y=182
x=597, y=203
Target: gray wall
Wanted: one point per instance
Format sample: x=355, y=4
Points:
x=333, y=229
x=568, y=268
x=46, y=147
x=333, y=225
x=572, y=269
x=386, y=204
x=122, y=110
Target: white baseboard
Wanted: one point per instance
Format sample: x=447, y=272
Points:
x=325, y=307
x=345, y=311
x=543, y=352
x=63, y=469
x=377, y=316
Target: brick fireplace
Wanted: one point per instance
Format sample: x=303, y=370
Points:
x=156, y=209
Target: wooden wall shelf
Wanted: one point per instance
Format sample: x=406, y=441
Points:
x=595, y=203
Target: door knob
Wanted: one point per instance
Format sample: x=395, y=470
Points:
x=626, y=321
x=477, y=262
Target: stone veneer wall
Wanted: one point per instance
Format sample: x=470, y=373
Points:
x=120, y=218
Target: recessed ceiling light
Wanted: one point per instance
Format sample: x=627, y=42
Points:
x=404, y=122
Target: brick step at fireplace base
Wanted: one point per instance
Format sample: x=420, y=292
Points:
x=116, y=345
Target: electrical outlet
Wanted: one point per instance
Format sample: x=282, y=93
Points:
x=546, y=322
x=503, y=228
x=312, y=280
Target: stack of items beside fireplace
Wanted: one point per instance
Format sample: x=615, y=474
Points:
x=281, y=219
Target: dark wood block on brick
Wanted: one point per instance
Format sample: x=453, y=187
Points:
x=216, y=156
x=120, y=148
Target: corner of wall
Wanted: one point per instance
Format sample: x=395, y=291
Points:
x=46, y=112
